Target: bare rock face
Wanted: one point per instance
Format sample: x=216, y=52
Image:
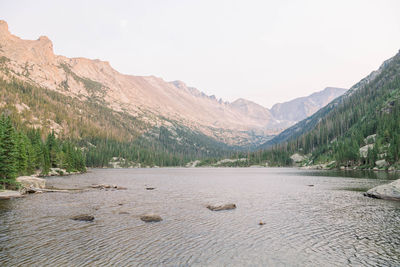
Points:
x=364, y=150
x=83, y=217
x=386, y=191
x=229, y=206
x=32, y=182
x=151, y=218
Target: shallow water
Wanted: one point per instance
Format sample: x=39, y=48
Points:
x=328, y=224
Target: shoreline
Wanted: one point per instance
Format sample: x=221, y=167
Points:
x=33, y=186
x=37, y=184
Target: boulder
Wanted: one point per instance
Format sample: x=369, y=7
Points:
x=151, y=218
x=370, y=139
x=56, y=172
x=31, y=182
x=364, y=150
x=297, y=158
x=229, y=206
x=381, y=163
x=386, y=191
x=83, y=217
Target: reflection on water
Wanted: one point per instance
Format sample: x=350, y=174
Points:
x=381, y=175
x=304, y=225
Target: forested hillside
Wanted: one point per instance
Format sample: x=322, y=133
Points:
x=360, y=129
x=102, y=132
x=25, y=153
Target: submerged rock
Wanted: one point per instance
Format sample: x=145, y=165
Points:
x=386, y=191
x=229, y=206
x=123, y=212
x=121, y=188
x=151, y=218
x=108, y=186
x=83, y=217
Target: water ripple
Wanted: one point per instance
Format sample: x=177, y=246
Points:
x=304, y=226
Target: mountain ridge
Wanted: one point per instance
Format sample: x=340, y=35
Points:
x=149, y=99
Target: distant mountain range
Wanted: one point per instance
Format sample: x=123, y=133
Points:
x=107, y=101
x=303, y=107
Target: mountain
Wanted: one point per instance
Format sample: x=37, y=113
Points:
x=303, y=107
x=360, y=129
x=89, y=101
x=147, y=98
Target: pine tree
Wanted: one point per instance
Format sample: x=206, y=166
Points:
x=22, y=154
x=8, y=153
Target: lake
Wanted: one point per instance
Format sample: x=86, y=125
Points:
x=328, y=224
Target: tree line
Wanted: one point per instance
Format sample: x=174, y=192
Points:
x=26, y=153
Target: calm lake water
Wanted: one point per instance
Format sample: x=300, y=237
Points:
x=329, y=224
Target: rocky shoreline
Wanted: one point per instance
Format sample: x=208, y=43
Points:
x=34, y=184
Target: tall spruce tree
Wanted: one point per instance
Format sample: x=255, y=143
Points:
x=8, y=153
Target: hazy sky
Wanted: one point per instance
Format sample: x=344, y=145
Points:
x=265, y=51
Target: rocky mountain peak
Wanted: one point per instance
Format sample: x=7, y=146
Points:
x=46, y=44
x=242, y=101
x=3, y=27
x=179, y=84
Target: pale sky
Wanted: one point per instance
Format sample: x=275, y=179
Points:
x=264, y=51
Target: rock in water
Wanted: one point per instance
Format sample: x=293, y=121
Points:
x=83, y=217
x=386, y=191
x=8, y=194
x=121, y=188
x=123, y=212
x=229, y=206
x=107, y=186
x=151, y=218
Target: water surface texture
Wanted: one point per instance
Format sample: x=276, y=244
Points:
x=328, y=224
